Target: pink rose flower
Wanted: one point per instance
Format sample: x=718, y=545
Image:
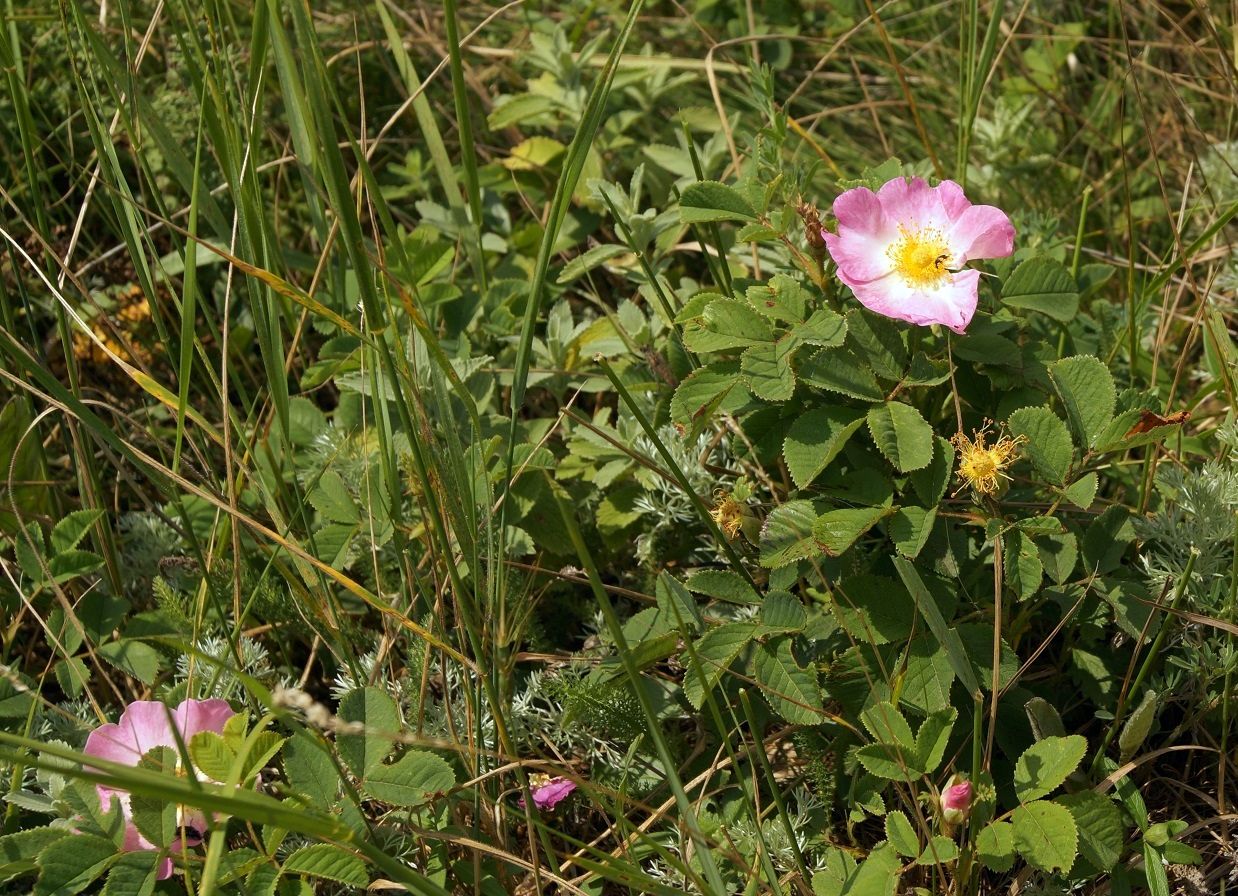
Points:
x=956, y=801
x=143, y=726
x=548, y=792
x=903, y=248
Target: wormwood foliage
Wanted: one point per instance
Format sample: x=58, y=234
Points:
x=466, y=396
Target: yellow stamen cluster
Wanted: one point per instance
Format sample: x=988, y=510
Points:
x=728, y=514
x=982, y=466
x=921, y=257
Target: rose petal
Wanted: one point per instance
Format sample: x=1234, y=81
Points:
x=113, y=743
x=146, y=726
x=913, y=204
x=550, y=794
x=860, y=256
x=952, y=199
x=196, y=716
x=951, y=304
x=982, y=231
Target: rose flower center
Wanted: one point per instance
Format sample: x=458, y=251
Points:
x=920, y=256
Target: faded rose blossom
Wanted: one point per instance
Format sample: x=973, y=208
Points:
x=548, y=792
x=956, y=800
x=143, y=726
x=903, y=248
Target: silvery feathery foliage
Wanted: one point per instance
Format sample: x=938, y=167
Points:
x=537, y=721
x=807, y=812
x=367, y=675
x=145, y=539
x=72, y=723
x=213, y=671
x=664, y=501
x=1199, y=514
x=1219, y=167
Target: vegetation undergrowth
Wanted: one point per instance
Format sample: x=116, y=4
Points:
x=608, y=448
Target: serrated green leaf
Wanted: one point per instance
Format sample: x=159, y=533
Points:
x=322, y=860
x=310, y=771
x=873, y=609
x=724, y=324
x=995, y=846
x=1042, y=284
x=877, y=875
x=710, y=657
x=1022, y=564
x=783, y=298
x=1045, y=835
x=1058, y=555
x=767, y=369
x=1102, y=832
x=889, y=761
x=902, y=435
x=1119, y=434
x=590, y=259
x=410, y=780
x=837, y=530
x=19, y=851
x=901, y=834
x=133, y=874
x=928, y=678
x=134, y=658
x=1138, y=726
x=73, y=675
x=1047, y=443
x=1044, y=719
x=722, y=584
x=1082, y=492
x=791, y=690
x=815, y=439
x=677, y=602
x=709, y=200
x=823, y=328
x=1106, y=539
x=263, y=748
x=69, y=532
x=839, y=370
x=211, y=755
x=782, y=612
x=73, y=563
x=787, y=535
x=910, y=528
x=879, y=342
x=932, y=738
x=717, y=388
x=887, y=725
x=940, y=849
x=931, y=482
x=376, y=710
x=72, y=864
x=1046, y=764
x=1088, y=394
x=332, y=499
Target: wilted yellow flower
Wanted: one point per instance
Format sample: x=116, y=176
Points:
x=982, y=466
x=728, y=514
